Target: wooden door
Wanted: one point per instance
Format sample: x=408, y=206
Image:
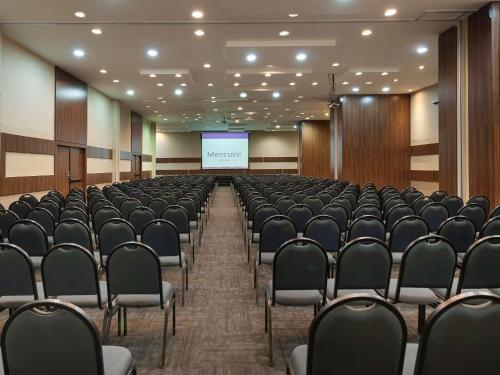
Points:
x=137, y=167
x=70, y=168
x=62, y=174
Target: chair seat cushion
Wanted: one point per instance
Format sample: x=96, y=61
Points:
x=298, y=360
x=143, y=300
x=172, y=260
x=117, y=360
x=330, y=288
x=267, y=258
x=13, y=302
x=414, y=296
x=89, y=300
x=294, y=297
x=410, y=359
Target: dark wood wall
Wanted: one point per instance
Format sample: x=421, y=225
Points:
x=484, y=101
x=315, y=149
x=136, y=129
x=447, y=87
x=376, y=139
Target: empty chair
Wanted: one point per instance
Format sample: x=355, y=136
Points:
x=20, y=208
x=262, y=213
x=474, y=212
x=299, y=196
x=300, y=269
x=102, y=215
x=460, y=231
x=367, y=209
x=53, y=207
x=139, y=217
x=438, y=196
x=326, y=231
x=481, y=200
x=30, y=199
x=332, y=348
x=325, y=197
x=339, y=213
x=7, y=218
x=113, y=233
x=495, y=212
x=421, y=203
x=366, y=226
x=403, y=233
x=275, y=197
x=373, y=200
x=393, y=202
x=412, y=196
x=43, y=217
x=180, y=218
x=315, y=204
x=76, y=203
x=491, y=227
x=396, y=213
x=128, y=205
x=146, y=289
x=284, y=204
x=31, y=237
x=344, y=202
x=249, y=212
x=363, y=265
x=73, y=231
x=17, y=278
x=162, y=236
x=169, y=198
x=459, y=338
x=53, y=337
x=158, y=205
x=74, y=213
x=145, y=199
x=434, y=215
x=300, y=214
x=453, y=204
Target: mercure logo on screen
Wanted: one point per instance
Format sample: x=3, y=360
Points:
x=224, y=154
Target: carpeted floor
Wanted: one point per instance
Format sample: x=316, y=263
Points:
x=220, y=330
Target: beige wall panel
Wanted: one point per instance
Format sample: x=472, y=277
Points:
x=274, y=165
x=424, y=116
x=20, y=164
x=273, y=144
x=100, y=120
x=425, y=163
x=125, y=165
x=95, y=165
x=125, y=130
x=174, y=166
x=178, y=145
x=147, y=166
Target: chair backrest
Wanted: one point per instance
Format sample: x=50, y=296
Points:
x=480, y=265
x=29, y=236
x=481, y=200
x=74, y=213
x=367, y=209
x=315, y=204
x=405, y=231
x=69, y=270
x=104, y=214
x=76, y=203
x=128, y=205
x=364, y=263
x=339, y=213
x=300, y=264
x=261, y=214
x=20, y=208
x=460, y=231
x=421, y=203
x=453, y=204
x=43, y=217
x=162, y=236
x=367, y=226
x=275, y=231
x=139, y=217
x=438, y=196
x=428, y=262
x=434, y=215
x=397, y=212
x=284, y=204
x=169, y=198
x=73, y=231
x=474, y=212
x=325, y=197
x=52, y=206
x=300, y=214
x=112, y=233
x=145, y=199
x=7, y=218
x=138, y=259
x=179, y=217
x=17, y=277
x=378, y=347
x=30, y=199
x=344, y=202
x=158, y=205
x=491, y=227
x=495, y=212
x=118, y=199
x=391, y=203
x=51, y=337
x=324, y=230
x=190, y=206
x=299, y=196
x=467, y=326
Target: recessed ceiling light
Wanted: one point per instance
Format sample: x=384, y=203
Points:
x=152, y=52
x=295, y=126
x=277, y=126
x=395, y=80
x=410, y=90
x=207, y=66
x=236, y=84
x=421, y=67
x=212, y=97
x=130, y=92
x=79, y=52
x=240, y=108
x=152, y=75
x=243, y=95
x=237, y=75
x=345, y=83
x=335, y=64
x=160, y=97
x=214, y=101
x=255, y=100
x=390, y=12
x=284, y=33
x=116, y=80
x=197, y=14
x=293, y=15
x=178, y=92
x=369, y=82
x=251, y=57
x=263, y=84
x=315, y=83
x=355, y=89
x=159, y=84
x=385, y=89
x=178, y=75
x=96, y=31
x=366, y=32
x=296, y=100
x=80, y=14
x=298, y=74
x=359, y=73
x=384, y=73
x=276, y=94
x=163, y=101
x=422, y=49
x=148, y=106
x=327, y=114
x=292, y=84
x=103, y=71
x=301, y=56
x=199, y=32
x=210, y=84
x=237, y=121
x=301, y=97
x=287, y=109
x=183, y=84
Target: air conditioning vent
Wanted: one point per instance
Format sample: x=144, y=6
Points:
x=443, y=15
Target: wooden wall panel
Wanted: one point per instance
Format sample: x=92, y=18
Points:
x=429, y=176
x=447, y=87
x=376, y=139
x=99, y=178
x=315, y=148
x=27, y=145
x=26, y=184
x=70, y=109
x=484, y=102
x=136, y=128
x=427, y=149
x=224, y=171
x=99, y=152
x=126, y=176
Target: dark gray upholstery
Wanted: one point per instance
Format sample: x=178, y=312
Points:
x=179, y=216
x=405, y=231
x=43, y=217
x=145, y=199
x=491, y=227
x=474, y=212
x=299, y=196
x=434, y=215
x=453, y=204
x=7, y=218
x=104, y=214
x=74, y=213
x=438, y=196
x=421, y=203
x=76, y=203
x=495, y=212
x=275, y=231
x=158, y=205
x=139, y=217
x=73, y=231
x=367, y=209
x=190, y=206
x=396, y=213
x=118, y=199
x=30, y=199
x=391, y=203
x=20, y=208
x=300, y=214
x=284, y=204
x=481, y=200
x=339, y=213
x=367, y=226
x=29, y=236
x=114, y=232
x=315, y=204
x=53, y=207
x=262, y=213
x=324, y=230
x=460, y=231
x=128, y=205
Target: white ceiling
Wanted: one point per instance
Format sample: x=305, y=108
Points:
x=327, y=30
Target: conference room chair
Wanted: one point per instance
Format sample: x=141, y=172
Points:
x=396, y=213
x=18, y=284
x=93, y=198
x=162, y=236
x=339, y=213
x=391, y=203
x=412, y=196
x=76, y=232
x=300, y=272
x=460, y=337
x=180, y=218
x=104, y=214
x=439, y=195
x=344, y=202
x=76, y=203
x=139, y=217
x=434, y=215
x=145, y=290
x=73, y=212
x=475, y=212
x=366, y=226
x=284, y=204
x=367, y=209
x=262, y=213
x=481, y=200
x=7, y=218
x=377, y=347
x=197, y=198
x=111, y=234
x=158, y=205
x=98, y=205
x=491, y=227
x=460, y=231
x=52, y=207
x=128, y=205
x=59, y=198
x=495, y=212
x=300, y=214
x=420, y=203
x=31, y=237
x=275, y=197
x=54, y=337
x=404, y=231
x=453, y=204
x=427, y=264
x=145, y=199
x=194, y=220
x=326, y=231
x=249, y=212
x=299, y=196
x=30, y=199
x=325, y=197
x=315, y=204
x=20, y=208
x=169, y=198
x=363, y=265
x=275, y=231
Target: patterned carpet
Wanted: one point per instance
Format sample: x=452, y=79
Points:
x=220, y=330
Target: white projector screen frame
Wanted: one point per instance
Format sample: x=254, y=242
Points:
x=224, y=150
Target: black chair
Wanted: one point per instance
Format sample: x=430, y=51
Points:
x=104, y=214
x=491, y=227
x=315, y=204
x=367, y=209
x=20, y=208
x=74, y=213
x=284, y=204
x=76, y=203
x=403, y=233
x=460, y=231
x=434, y=215
x=495, y=212
x=453, y=204
x=139, y=217
x=420, y=203
x=53, y=207
x=7, y=218
x=76, y=232
x=474, y=212
x=299, y=196
x=180, y=218
x=118, y=199
x=262, y=213
x=366, y=226
x=339, y=213
x=30, y=199
x=300, y=214
x=128, y=205
x=326, y=231
x=396, y=213
x=158, y=205
x=31, y=237
x=111, y=234
x=145, y=199
x=481, y=200
x=438, y=196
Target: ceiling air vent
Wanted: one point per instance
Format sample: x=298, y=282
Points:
x=444, y=15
